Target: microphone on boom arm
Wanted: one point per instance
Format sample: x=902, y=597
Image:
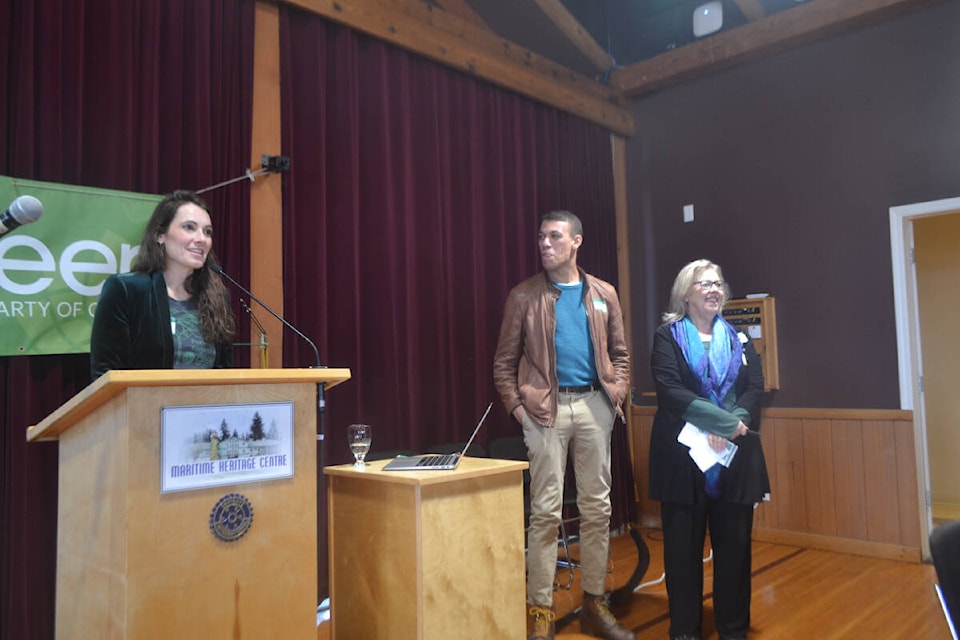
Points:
x=321, y=401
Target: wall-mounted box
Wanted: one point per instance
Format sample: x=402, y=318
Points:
x=757, y=317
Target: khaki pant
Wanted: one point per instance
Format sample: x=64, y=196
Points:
x=584, y=424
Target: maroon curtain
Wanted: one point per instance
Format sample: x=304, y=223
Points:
x=145, y=96
x=411, y=208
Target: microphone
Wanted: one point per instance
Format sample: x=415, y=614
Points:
x=218, y=269
x=22, y=210
x=321, y=396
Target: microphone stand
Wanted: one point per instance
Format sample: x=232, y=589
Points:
x=262, y=343
x=321, y=400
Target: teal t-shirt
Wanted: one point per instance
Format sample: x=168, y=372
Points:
x=575, y=363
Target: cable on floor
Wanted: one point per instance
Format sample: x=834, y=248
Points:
x=663, y=576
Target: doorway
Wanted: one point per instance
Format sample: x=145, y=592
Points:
x=924, y=386
x=936, y=256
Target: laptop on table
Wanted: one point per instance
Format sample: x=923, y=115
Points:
x=430, y=461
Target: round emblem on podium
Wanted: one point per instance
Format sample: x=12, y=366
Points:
x=231, y=517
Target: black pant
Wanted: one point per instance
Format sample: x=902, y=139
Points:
x=684, y=532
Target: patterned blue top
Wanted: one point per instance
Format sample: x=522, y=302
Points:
x=189, y=349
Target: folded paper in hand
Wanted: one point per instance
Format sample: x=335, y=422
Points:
x=700, y=450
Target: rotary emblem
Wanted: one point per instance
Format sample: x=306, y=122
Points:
x=231, y=517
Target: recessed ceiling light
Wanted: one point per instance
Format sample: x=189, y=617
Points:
x=707, y=18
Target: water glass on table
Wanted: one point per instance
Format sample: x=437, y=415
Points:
x=359, y=437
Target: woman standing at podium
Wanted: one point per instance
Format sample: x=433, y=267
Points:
x=172, y=311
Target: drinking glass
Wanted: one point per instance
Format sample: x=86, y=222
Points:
x=359, y=437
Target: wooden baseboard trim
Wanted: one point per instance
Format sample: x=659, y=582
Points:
x=839, y=545
x=812, y=413
x=815, y=413
x=815, y=541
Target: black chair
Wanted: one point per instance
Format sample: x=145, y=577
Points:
x=514, y=448
x=945, y=549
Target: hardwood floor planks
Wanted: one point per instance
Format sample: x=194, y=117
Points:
x=798, y=593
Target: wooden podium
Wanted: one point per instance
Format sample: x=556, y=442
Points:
x=427, y=554
x=133, y=562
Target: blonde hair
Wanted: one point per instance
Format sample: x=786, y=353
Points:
x=684, y=283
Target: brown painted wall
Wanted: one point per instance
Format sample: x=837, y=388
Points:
x=792, y=164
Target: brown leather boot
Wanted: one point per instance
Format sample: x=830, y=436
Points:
x=596, y=620
x=540, y=622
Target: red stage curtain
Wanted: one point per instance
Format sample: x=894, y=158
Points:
x=412, y=207
x=145, y=96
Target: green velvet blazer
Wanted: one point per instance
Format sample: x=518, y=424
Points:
x=131, y=326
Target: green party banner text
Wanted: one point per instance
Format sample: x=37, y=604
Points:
x=52, y=270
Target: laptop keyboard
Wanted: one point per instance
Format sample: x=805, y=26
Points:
x=432, y=461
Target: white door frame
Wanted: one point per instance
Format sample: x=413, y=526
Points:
x=908, y=340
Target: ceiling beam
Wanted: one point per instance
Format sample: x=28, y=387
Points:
x=813, y=20
x=447, y=39
x=462, y=10
x=571, y=28
x=752, y=9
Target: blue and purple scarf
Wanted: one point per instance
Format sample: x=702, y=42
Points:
x=718, y=369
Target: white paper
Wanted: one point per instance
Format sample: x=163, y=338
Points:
x=700, y=450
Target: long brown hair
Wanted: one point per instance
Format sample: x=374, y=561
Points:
x=217, y=324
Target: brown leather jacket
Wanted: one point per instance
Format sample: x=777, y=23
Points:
x=524, y=366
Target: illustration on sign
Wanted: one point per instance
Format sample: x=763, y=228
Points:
x=213, y=445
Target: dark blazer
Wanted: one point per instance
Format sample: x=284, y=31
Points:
x=131, y=326
x=674, y=477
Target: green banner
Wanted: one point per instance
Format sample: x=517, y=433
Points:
x=52, y=270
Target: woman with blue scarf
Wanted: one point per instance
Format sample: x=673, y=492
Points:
x=709, y=375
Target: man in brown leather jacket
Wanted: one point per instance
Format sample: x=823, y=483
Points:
x=562, y=370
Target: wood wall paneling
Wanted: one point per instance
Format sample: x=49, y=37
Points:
x=841, y=480
x=908, y=482
x=818, y=473
x=845, y=435
x=880, y=481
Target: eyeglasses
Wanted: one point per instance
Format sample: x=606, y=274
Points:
x=706, y=285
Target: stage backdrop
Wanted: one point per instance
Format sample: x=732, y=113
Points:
x=52, y=270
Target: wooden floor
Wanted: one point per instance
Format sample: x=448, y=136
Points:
x=797, y=593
